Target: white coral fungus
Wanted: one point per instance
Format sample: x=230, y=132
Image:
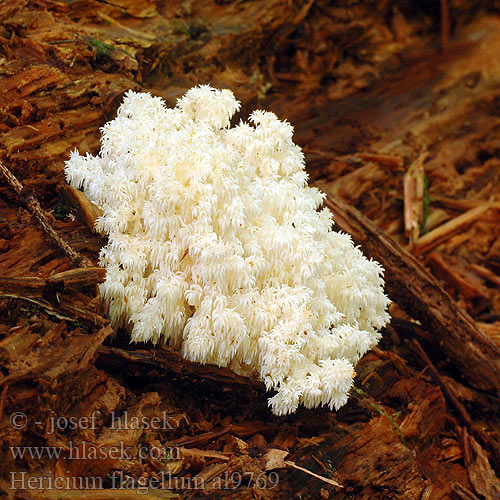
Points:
x=216, y=245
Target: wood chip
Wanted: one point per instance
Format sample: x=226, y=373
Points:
x=450, y=228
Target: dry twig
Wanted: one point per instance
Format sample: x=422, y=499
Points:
x=32, y=204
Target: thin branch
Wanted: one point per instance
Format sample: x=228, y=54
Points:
x=445, y=26
x=448, y=393
x=30, y=201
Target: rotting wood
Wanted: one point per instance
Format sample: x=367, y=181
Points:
x=479, y=434
x=413, y=192
x=172, y=362
x=64, y=61
x=445, y=25
x=33, y=286
x=481, y=475
x=448, y=229
x=388, y=160
x=88, y=212
x=32, y=204
x=423, y=297
x=49, y=294
x=457, y=276
x=486, y=273
x=48, y=357
x=463, y=493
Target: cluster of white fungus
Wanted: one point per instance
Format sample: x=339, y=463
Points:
x=216, y=245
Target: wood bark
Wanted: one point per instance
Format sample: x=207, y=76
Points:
x=423, y=297
x=370, y=92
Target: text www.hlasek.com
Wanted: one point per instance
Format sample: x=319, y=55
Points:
x=89, y=451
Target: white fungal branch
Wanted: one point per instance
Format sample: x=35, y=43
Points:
x=217, y=245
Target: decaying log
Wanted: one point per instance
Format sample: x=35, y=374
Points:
x=33, y=286
x=486, y=440
x=65, y=67
x=172, y=362
x=423, y=297
x=48, y=293
x=481, y=475
x=457, y=405
x=29, y=356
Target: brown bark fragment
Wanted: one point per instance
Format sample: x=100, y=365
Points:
x=413, y=192
x=384, y=462
x=481, y=475
x=172, y=361
x=30, y=356
x=450, y=228
x=88, y=212
x=454, y=273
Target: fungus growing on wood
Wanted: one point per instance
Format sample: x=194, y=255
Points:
x=217, y=245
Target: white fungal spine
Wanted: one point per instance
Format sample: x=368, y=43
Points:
x=216, y=244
